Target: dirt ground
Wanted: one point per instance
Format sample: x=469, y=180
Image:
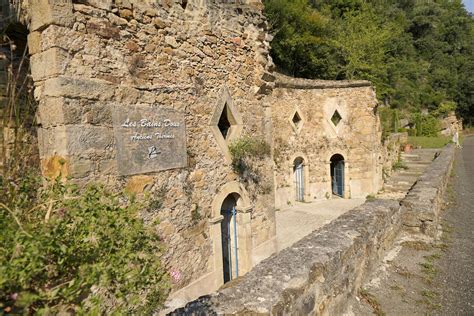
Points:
x=425, y=277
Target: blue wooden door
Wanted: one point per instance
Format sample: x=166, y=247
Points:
x=299, y=181
x=226, y=245
x=338, y=179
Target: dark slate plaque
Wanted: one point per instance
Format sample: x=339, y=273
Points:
x=149, y=139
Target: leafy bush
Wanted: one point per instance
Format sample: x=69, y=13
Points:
x=247, y=154
x=426, y=125
x=246, y=148
x=77, y=250
x=389, y=119
x=445, y=108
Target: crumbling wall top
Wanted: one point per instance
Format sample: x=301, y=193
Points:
x=283, y=81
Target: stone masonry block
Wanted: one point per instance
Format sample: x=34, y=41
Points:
x=89, y=140
x=50, y=112
x=80, y=168
x=78, y=88
x=47, y=12
x=100, y=4
x=34, y=43
x=52, y=141
x=48, y=64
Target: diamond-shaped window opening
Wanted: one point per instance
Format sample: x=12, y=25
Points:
x=296, y=121
x=226, y=122
x=336, y=118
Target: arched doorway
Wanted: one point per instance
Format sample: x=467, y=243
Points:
x=230, y=258
x=337, y=175
x=298, y=174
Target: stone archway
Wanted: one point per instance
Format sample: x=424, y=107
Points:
x=231, y=232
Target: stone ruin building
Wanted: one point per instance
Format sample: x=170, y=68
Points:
x=147, y=96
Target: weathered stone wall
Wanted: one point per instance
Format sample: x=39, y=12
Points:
x=422, y=205
x=89, y=57
x=391, y=151
x=315, y=138
x=450, y=124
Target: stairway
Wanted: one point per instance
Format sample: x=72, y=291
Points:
x=415, y=163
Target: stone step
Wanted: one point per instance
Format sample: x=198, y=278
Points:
x=410, y=172
x=417, y=164
x=397, y=187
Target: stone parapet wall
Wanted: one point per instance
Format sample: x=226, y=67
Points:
x=423, y=203
x=283, y=81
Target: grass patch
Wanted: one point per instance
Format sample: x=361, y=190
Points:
x=429, y=298
x=370, y=197
x=428, y=142
x=372, y=301
x=428, y=269
x=399, y=165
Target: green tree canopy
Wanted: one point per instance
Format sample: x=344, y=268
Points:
x=418, y=54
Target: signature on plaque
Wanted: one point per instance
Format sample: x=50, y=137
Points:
x=153, y=152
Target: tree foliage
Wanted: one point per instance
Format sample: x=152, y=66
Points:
x=418, y=54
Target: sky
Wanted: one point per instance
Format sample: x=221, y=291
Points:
x=469, y=4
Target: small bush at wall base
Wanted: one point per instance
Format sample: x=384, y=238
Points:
x=247, y=148
x=76, y=250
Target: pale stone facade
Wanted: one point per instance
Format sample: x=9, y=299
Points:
x=315, y=121
x=206, y=62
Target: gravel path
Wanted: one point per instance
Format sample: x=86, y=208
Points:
x=457, y=267
x=299, y=220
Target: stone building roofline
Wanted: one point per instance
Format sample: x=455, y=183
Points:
x=283, y=81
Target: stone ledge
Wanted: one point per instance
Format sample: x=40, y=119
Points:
x=421, y=206
x=315, y=275
x=283, y=81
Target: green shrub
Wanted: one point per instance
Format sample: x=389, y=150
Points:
x=76, y=250
x=247, y=148
x=426, y=125
x=445, y=108
x=390, y=121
